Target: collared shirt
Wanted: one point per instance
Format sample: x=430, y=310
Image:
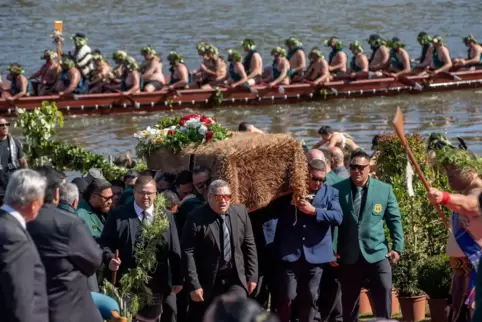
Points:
x=149, y=212
x=364, y=195
x=15, y=214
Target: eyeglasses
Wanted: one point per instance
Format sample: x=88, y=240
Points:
x=358, y=167
x=318, y=179
x=4, y=125
x=222, y=197
x=146, y=193
x=203, y=184
x=105, y=199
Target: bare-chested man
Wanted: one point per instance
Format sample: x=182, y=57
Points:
x=237, y=74
x=337, y=58
x=399, y=58
x=179, y=72
x=359, y=61
x=151, y=70
x=380, y=58
x=474, y=53
x=425, y=58
x=19, y=85
x=281, y=68
x=216, y=71
x=70, y=80
x=253, y=63
x=101, y=75
x=318, y=72
x=296, y=57
x=131, y=79
x=119, y=56
x=46, y=76
x=332, y=138
x=441, y=61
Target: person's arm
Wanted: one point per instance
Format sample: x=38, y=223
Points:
x=256, y=66
x=363, y=63
x=23, y=88
x=342, y=64
x=475, y=59
x=428, y=58
x=37, y=73
x=406, y=65
x=301, y=59
x=188, y=245
x=394, y=222
x=84, y=252
x=149, y=70
x=174, y=253
x=183, y=79
x=283, y=73
x=108, y=239
x=332, y=141
x=333, y=213
x=309, y=73
x=22, y=161
x=445, y=57
x=239, y=69
x=326, y=73
x=467, y=205
x=383, y=57
x=249, y=250
x=136, y=84
x=74, y=82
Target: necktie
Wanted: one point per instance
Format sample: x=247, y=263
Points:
x=144, y=219
x=357, y=201
x=226, y=240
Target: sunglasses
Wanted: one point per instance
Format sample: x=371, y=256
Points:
x=222, y=197
x=318, y=179
x=105, y=199
x=358, y=167
x=203, y=184
x=3, y=125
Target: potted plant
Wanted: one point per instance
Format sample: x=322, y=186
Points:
x=435, y=276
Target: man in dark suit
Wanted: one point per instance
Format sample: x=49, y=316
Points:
x=219, y=250
x=362, y=245
x=122, y=231
x=304, y=243
x=69, y=253
x=23, y=293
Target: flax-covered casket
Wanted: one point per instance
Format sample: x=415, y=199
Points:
x=259, y=167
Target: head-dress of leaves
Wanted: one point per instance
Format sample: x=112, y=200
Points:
x=49, y=54
x=148, y=50
x=249, y=44
x=470, y=39
x=356, y=45
x=80, y=39
x=130, y=63
x=395, y=43
x=16, y=69
x=201, y=47
x=211, y=50
x=278, y=51
x=175, y=57
x=97, y=57
x=316, y=52
x=234, y=55
x=293, y=42
x=375, y=40
x=438, y=40
x=119, y=54
x=338, y=43
x=423, y=38
x=67, y=61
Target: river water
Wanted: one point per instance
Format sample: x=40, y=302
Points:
x=178, y=25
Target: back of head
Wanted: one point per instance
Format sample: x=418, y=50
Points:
x=171, y=199
x=337, y=153
x=318, y=165
x=239, y=309
x=69, y=193
x=184, y=177
x=130, y=175
x=328, y=156
x=315, y=154
x=24, y=187
x=54, y=180
x=325, y=130
x=244, y=127
x=81, y=184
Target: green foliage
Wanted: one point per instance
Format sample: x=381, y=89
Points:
x=423, y=231
x=39, y=126
x=217, y=97
x=125, y=309
x=168, y=122
x=435, y=277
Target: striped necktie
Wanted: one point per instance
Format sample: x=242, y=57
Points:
x=226, y=240
x=357, y=201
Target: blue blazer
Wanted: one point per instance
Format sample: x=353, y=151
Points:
x=310, y=234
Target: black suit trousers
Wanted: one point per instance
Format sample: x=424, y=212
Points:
x=329, y=302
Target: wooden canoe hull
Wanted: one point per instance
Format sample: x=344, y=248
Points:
x=165, y=101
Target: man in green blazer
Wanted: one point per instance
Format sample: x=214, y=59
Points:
x=361, y=242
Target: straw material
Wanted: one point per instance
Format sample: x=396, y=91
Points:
x=259, y=167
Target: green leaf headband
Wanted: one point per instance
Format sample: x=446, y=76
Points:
x=16, y=69
x=49, y=54
x=67, y=61
x=470, y=38
x=235, y=56
x=119, y=54
x=175, y=57
x=438, y=40
x=338, y=43
x=423, y=38
x=293, y=42
x=97, y=57
x=130, y=63
x=356, y=45
x=249, y=44
x=278, y=51
x=148, y=50
x=316, y=52
x=79, y=41
x=210, y=49
x=395, y=44
x=377, y=42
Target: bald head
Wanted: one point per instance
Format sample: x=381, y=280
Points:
x=315, y=154
x=337, y=156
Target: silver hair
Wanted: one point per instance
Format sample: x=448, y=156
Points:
x=24, y=187
x=69, y=193
x=218, y=184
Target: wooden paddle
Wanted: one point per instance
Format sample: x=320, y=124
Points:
x=332, y=89
x=59, y=26
x=114, y=273
x=129, y=98
x=404, y=80
x=399, y=128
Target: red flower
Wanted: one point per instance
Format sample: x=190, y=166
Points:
x=209, y=135
x=170, y=132
x=190, y=116
x=181, y=122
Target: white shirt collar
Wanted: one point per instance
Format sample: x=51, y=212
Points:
x=149, y=212
x=15, y=214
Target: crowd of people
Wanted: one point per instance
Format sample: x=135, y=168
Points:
x=86, y=71
x=297, y=260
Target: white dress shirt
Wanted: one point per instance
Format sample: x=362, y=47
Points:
x=15, y=214
x=149, y=212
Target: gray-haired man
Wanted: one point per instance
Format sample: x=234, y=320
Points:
x=69, y=197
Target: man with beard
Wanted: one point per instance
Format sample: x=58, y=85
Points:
x=96, y=205
x=465, y=241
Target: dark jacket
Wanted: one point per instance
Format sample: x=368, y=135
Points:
x=70, y=255
x=23, y=296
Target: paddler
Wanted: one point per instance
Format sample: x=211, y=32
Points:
x=332, y=139
x=359, y=61
x=101, y=75
x=296, y=57
x=441, y=61
x=474, y=53
x=83, y=56
x=46, y=76
x=237, y=74
x=19, y=84
x=253, y=63
x=179, y=72
x=118, y=57
x=281, y=68
x=70, y=80
x=426, y=55
x=131, y=79
x=318, y=72
x=380, y=58
x=215, y=72
x=399, y=59
x=151, y=70
x=198, y=76
x=337, y=58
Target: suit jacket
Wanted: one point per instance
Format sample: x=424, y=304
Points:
x=23, y=296
x=368, y=235
x=120, y=233
x=311, y=234
x=202, y=248
x=70, y=255
x=94, y=221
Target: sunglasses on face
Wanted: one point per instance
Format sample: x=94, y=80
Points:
x=105, y=199
x=202, y=185
x=317, y=179
x=358, y=167
x=222, y=197
x=4, y=125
